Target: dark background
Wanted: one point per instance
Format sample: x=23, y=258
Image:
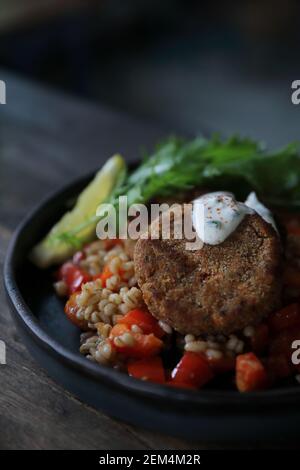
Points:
x=190, y=65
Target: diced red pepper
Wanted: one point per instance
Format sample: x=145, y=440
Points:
x=71, y=309
x=148, y=369
x=73, y=276
x=193, y=369
x=251, y=374
x=260, y=338
x=143, y=345
x=285, y=318
x=144, y=320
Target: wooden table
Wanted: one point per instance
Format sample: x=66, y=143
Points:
x=47, y=139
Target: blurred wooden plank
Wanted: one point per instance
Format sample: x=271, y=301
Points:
x=45, y=140
x=48, y=139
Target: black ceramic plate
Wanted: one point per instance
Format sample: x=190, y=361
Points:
x=209, y=415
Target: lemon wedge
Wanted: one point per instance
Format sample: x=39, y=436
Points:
x=54, y=249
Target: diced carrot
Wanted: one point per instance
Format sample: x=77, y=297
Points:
x=291, y=277
x=118, y=330
x=285, y=318
x=144, y=320
x=142, y=345
x=71, y=309
x=73, y=276
x=222, y=365
x=193, y=369
x=106, y=274
x=251, y=374
x=260, y=338
x=145, y=346
x=147, y=369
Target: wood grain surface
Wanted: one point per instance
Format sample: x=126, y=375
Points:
x=46, y=140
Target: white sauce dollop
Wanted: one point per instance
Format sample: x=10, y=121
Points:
x=216, y=215
x=261, y=210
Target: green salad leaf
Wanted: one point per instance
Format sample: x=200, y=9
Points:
x=275, y=176
x=236, y=164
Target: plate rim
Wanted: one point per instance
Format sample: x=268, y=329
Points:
x=203, y=399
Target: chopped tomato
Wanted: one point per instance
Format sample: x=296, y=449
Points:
x=285, y=318
x=142, y=345
x=144, y=320
x=260, y=339
x=148, y=369
x=71, y=310
x=111, y=243
x=193, y=369
x=251, y=374
x=222, y=365
x=73, y=276
x=291, y=277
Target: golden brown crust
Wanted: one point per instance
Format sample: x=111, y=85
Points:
x=216, y=289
